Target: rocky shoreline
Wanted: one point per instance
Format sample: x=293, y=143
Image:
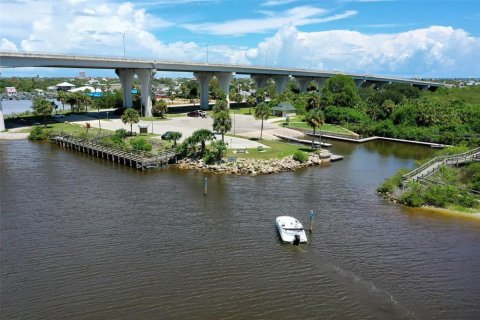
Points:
x=253, y=167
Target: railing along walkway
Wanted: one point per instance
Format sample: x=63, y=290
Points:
x=142, y=161
x=433, y=165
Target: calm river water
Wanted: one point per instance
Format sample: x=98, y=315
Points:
x=82, y=238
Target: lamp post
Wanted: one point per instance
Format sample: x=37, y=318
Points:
x=207, y=51
x=266, y=55
x=124, y=44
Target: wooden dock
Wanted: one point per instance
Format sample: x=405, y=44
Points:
x=362, y=140
x=316, y=143
x=140, y=161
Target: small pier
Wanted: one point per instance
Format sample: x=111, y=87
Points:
x=316, y=143
x=140, y=161
x=357, y=139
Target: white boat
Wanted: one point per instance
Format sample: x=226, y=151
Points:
x=290, y=230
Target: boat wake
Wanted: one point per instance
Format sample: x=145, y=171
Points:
x=376, y=297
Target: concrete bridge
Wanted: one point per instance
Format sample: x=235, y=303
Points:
x=127, y=68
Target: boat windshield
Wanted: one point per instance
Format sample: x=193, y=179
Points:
x=293, y=229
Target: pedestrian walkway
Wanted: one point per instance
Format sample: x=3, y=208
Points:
x=433, y=165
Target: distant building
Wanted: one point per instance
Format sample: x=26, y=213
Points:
x=10, y=91
x=82, y=75
x=283, y=109
x=65, y=86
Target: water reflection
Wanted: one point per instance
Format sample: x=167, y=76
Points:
x=86, y=238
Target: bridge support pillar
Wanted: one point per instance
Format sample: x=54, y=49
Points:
x=359, y=82
x=224, y=80
x=320, y=83
x=126, y=79
x=145, y=76
x=203, y=80
x=303, y=83
x=260, y=80
x=281, y=82
x=2, y=121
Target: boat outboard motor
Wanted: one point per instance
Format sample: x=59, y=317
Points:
x=296, y=241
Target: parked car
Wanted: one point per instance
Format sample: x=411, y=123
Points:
x=167, y=135
x=197, y=113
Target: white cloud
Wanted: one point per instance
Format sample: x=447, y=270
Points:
x=433, y=51
x=7, y=45
x=271, y=3
x=97, y=28
x=298, y=16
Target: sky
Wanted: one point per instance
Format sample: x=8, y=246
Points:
x=403, y=38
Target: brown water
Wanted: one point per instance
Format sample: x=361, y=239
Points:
x=82, y=238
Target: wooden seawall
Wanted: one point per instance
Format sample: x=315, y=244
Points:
x=143, y=162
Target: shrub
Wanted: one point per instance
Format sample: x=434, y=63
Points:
x=38, y=133
x=393, y=182
x=300, y=156
x=440, y=196
x=140, y=143
x=413, y=197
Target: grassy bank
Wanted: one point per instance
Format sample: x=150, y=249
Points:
x=449, y=188
x=275, y=150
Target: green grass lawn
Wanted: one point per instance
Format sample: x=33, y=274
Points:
x=70, y=128
x=277, y=150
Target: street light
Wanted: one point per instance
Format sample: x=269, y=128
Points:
x=124, y=44
x=207, y=51
x=266, y=55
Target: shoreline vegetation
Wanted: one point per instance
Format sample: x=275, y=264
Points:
x=448, y=189
x=449, y=116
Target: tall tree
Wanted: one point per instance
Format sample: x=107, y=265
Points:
x=62, y=97
x=340, y=91
x=201, y=136
x=222, y=122
x=251, y=102
x=238, y=98
x=175, y=135
x=131, y=116
x=315, y=119
x=41, y=106
x=262, y=111
x=160, y=108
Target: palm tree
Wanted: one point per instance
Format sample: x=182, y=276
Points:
x=238, y=98
x=314, y=119
x=175, y=135
x=262, y=111
x=201, y=136
x=62, y=97
x=131, y=116
x=251, y=102
x=41, y=106
x=313, y=101
x=160, y=106
x=222, y=122
x=220, y=105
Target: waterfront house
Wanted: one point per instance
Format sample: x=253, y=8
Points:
x=65, y=86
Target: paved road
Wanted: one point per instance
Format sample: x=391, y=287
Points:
x=245, y=125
